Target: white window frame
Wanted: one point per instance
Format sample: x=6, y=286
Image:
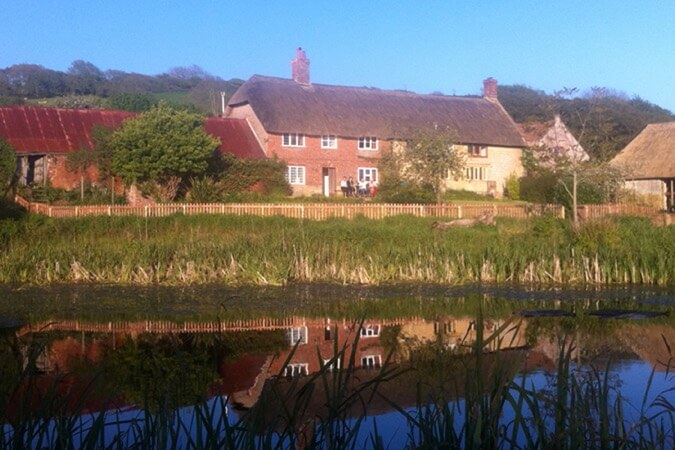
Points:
x=332, y=364
x=477, y=151
x=296, y=175
x=296, y=370
x=329, y=141
x=371, y=361
x=297, y=335
x=293, y=140
x=370, y=331
x=366, y=173
x=475, y=173
x=367, y=143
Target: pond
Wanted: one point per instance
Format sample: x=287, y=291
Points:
x=321, y=365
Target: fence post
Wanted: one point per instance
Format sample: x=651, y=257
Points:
x=50, y=211
x=183, y=208
x=109, y=211
x=302, y=211
x=562, y=212
x=459, y=211
x=146, y=210
x=421, y=210
x=77, y=211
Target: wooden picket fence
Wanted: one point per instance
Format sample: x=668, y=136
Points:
x=322, y=211
x=310, y=211
x=171, y=327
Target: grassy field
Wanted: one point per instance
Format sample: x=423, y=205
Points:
x=277, y=251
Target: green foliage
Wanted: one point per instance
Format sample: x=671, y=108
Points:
x=132, y=101
x=275, y=250
x=613, y=119
x=161, y=144
x=428, y=158
x=71, y=101
x=539, y=188
x=512, y=187
x=404, y=192
x=7, y=166
x=262, y=175
x=588, y=193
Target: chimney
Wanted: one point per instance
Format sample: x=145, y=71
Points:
x=490, y=89
x=300, y=67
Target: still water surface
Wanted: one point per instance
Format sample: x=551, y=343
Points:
x=124, y=349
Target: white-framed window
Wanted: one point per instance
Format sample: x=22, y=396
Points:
x=295, y=174
x=367, y=174
x=296, y=370
x=475, y=173
x=367, y=143
x=370, y=331
x=292, y=140
x=329, y=141
x=371, y=361
x=332, y=364
x=477, y=151
x=297, y=335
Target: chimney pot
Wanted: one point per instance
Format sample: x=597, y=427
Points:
x=490, y=88
x=300, y=67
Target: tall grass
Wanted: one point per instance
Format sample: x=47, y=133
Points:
x=277, y=251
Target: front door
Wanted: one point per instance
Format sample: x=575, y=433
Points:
x=329, y=181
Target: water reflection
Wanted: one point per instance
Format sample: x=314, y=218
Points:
x=384, y=364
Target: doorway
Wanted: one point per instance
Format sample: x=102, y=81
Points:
x=329, y=181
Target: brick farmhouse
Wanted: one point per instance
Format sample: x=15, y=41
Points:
x=325, y=132
x=43, y=137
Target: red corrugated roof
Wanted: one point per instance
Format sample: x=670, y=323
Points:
x=236, y=137
x=31, y=129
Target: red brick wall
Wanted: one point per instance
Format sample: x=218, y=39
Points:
x=61, y=177
x=346, y=159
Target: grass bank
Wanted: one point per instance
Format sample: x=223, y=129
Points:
x=276, y=250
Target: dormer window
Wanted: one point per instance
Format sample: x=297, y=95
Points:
x=292, y=140
x=477, y=151
x=368, y=143
x=329, y=141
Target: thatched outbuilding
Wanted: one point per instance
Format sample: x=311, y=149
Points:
x=649, y=162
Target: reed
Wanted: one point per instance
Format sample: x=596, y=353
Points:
x=277, y=251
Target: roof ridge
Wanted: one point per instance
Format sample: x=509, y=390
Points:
x=368, y=89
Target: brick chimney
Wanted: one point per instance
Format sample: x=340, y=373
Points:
x=490, y=89
x=300, y=67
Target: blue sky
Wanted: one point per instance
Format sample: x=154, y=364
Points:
x=423, y=46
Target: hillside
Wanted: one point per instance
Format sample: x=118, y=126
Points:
x=84, y=85
x=611, y=119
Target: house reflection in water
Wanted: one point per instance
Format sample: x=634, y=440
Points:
x=305, y=346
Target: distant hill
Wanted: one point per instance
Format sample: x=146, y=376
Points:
x=85, y=85
x=612, y=119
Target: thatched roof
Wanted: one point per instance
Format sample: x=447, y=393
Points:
x=651, y=155
x=284, y=106
x=555, y=136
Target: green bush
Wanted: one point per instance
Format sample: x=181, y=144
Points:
x=405, y=193
x=512, y=187
x=538, y=188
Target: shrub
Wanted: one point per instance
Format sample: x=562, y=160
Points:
x=512, y=187
x=538, y=188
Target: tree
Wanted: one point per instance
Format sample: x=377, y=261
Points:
x=571, y=168
x=79, y=161
x=164, y=147
x=131, y=101
x=7, y=166
x=85, y=78
x=427, y=158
